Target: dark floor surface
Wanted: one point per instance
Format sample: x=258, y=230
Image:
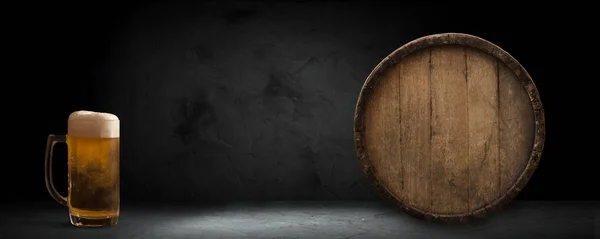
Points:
x=369, y=220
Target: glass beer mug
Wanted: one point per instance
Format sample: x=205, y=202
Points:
x=93, y=174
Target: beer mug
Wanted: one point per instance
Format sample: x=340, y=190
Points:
x=93, y=169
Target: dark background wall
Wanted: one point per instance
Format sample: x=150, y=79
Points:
x=255, y=100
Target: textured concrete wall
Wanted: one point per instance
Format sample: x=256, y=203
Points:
x=245, y=101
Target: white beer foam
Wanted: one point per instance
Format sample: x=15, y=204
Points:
x=86, y=123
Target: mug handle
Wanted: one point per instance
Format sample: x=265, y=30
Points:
x=52, y=140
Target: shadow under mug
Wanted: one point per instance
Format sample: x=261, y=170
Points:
x=93, y=172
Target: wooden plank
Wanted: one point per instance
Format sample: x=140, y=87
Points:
x=382, y=122
x=482, y=80
x=517, y=127
x=449, y=165
x=415, y=123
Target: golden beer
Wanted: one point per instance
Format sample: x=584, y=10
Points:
x=93, y=178
x=93, y=161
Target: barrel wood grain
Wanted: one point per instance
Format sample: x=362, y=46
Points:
x=517, y=128
x=415, y=112
x=384, y=119
x=482, y=80
x=449, y=146
x=449, y=127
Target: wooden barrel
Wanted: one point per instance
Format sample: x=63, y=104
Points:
x=449, y=127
